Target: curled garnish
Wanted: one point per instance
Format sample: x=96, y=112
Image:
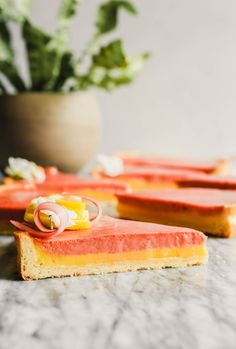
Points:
x=60, y=211
x=63, y=219
x=33, y=232
x=98, y=214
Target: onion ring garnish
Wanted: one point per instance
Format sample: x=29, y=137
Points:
x=33, y=232
x=61, y=212
x=98, y=214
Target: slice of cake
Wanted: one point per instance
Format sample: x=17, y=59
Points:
x=109, y=245
x=141, y=178
x=212, y=181
x=164, y=178
x=212, y=211
x=216, y=166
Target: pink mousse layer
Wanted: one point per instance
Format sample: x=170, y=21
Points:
x=209, y=182
x=213, y=199
x=80, y=184
x=153, y=175
x=13, y=202
x=183, y=178
x=194, y=165
x=110, y=235
x=59, y=182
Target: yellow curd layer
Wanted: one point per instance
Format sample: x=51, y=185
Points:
x=142, y=184
x=47, y=259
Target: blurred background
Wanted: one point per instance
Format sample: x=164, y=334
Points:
x=183, y=102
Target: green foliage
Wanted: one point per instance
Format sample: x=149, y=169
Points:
x=67, y=71
x=107, y=15
x=110, y=56
x=41, y=56
x=14, y=10
x=7, y=65
x=111, y=67
x=58, y=43
x=52, y=67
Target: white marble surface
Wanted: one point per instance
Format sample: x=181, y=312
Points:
x=185, y=308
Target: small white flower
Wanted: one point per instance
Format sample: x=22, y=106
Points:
x=23, y=169
x=111, y=165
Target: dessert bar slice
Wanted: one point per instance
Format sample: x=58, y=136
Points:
x=213, y=166
x=109, y=245
x=212, y=211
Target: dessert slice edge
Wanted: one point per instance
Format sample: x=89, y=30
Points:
x=34, y=262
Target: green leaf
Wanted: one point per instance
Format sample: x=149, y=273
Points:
x=5, y=35
x=15, y=10
x=59, y=41
x=67, y=12
x=107, y=15
x=11, y=73
x=111, y=67
x=109, y=79
x=41, y=56
x=68, y=9
x=7, y=66
x=110, y=56
x=50, y=64
x=127, y=74
x=67, y=70
x=3, y=89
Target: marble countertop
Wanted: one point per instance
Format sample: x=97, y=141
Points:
x=172, y=308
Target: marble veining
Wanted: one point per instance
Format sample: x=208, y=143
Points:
x=172, y=308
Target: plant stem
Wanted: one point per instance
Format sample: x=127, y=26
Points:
x=88, y=48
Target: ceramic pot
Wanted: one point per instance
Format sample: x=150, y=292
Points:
x=50, y=129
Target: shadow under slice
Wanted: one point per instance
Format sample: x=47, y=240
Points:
x=8, y=267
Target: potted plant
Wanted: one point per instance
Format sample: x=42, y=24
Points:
x=52, y=118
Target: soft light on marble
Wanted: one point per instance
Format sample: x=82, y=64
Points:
x=172, y=308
